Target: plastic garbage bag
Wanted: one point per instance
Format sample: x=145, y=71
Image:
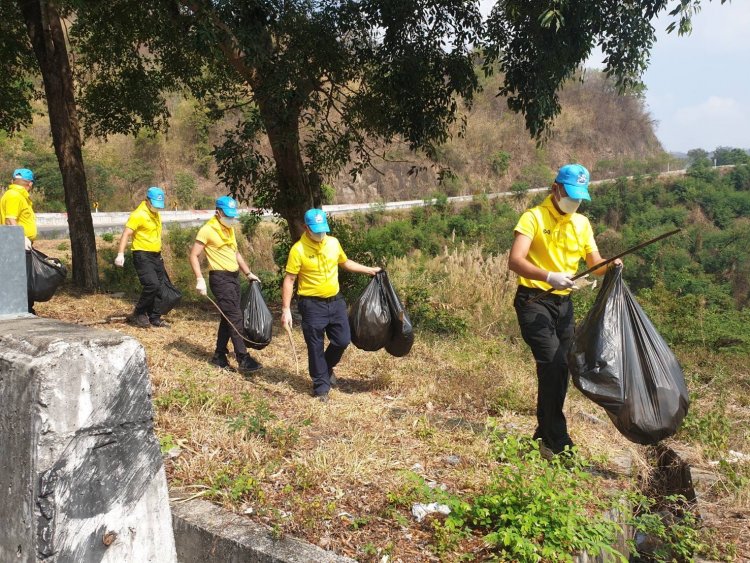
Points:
x=370, y=317
x=169, y=296
x=402, y=332
x=43, y=275
x=257, y=320
x=619, y=361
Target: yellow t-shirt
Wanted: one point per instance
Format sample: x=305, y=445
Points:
x=220, y=245
x=146, y=225
x=16, y=204
x=558, y=241
x=316, y=265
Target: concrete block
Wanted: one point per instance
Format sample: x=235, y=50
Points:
x=13, y=300
x=206, y=533
x=80, y=470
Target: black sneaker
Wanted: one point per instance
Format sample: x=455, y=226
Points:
x=219, y=360
x=248, y=364
x=159, y=323
x=139, y=320
x=332, y=376
x=323, y=397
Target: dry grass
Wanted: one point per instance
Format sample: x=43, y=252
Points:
x=324, y=471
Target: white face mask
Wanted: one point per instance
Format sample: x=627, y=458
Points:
x=317, y=237
x=228, y=222
x=568, y=204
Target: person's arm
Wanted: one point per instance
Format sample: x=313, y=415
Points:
x=594, y=258
x=355, y=267
x=245, y=269
x=287, y=289
x=519, y=263
x=120, y=259
x=195, y=264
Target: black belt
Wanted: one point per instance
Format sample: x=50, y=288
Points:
x=533, y=292
x=322, y=299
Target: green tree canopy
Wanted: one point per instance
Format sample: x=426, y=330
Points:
x=325, y=81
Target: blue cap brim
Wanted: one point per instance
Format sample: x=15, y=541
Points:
x=577, y=192
x=157, y=204
x=229, y=212
x=320, y=228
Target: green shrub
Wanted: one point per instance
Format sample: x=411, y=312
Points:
x=249, y=223
x=108, y=237
x=535, y=509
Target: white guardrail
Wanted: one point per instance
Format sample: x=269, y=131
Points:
x=55, y=225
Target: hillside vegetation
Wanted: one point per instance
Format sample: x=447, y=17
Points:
x=449, y=422
x=609, y=133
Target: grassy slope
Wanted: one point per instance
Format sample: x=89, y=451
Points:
x=333, y=473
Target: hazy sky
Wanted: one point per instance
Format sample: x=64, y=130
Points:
x=698, y=86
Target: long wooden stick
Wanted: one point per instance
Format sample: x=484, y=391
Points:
x=609, y=261
x=294, y=348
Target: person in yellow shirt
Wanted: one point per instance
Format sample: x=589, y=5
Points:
x=550, y=241
x=144, y=225
x=313, y=263
x=16, y=210
x=217, y=239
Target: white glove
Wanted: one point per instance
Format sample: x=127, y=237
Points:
x=286, y=317
x=200, y=286
x=252, y=277
x=120, y=260
x=27, y=243
x=560, y=280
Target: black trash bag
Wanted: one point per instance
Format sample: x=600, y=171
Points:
x=619, y=361
x=43, y=275
x=169, y=296
x=370, y=317
x=257, y=320
x=402, y=332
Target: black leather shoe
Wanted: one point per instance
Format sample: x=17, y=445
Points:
x=141, y=321
x=160, y=323
x=248, y=364
x=219, y=360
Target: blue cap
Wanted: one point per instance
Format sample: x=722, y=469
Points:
x=316, y=220
x=575, y=178
x=156, y=197
x=228, y=206
x=24, y=174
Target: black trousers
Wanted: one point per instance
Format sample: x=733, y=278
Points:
x=150, y=269
x=324, y=317
x=547, y=326
x=226, y=288
x=28, y=267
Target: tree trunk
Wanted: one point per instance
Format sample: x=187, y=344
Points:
x=48, y=41
x=296, y=193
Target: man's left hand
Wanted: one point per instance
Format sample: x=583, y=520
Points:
x=252, y=277
x=374, y=271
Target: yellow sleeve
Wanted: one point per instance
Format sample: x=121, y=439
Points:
x=589, y=243
x=204, y=234
x=527, y=225
x=294, y=262
x=12, y=205
x=134, y=221
x=342, y=255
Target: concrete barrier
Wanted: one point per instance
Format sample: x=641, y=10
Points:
x=206, y=533
x=80, y=468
